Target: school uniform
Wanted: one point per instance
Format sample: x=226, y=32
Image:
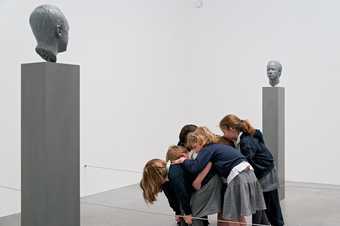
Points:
x=259, y=156
x=243, y=195
x=256, y=152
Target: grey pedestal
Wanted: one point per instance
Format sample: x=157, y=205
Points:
x=50, y=165
x=273, y=124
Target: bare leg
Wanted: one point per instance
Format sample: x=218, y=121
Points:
x=243, y=221
x=238, y=222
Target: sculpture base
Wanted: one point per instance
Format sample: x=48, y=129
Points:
x=50, y=187
x=273, y=125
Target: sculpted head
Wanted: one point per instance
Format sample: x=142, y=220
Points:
x=50, y=28
x=274, y=69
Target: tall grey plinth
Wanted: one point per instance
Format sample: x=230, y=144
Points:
x=273, y=124
x=50, y=187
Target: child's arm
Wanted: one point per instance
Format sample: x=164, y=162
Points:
x=198, y=181
x=179, y=161
x=197, y=165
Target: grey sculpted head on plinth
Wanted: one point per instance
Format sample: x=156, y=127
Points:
x=50, y=28
x=274, y=69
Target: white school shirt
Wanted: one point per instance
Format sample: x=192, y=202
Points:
x=237, y=170
x=240, y=167
x=238, y=141
x=193, y=155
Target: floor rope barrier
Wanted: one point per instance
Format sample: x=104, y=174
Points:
x=9, y=188
x=112, y=169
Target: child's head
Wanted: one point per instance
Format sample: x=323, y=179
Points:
x=201, y=137
x=175, y=152
x=184, y=132
x=154, y=175
x=231, y=126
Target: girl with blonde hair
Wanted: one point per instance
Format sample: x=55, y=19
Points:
x=159, y=176
x=206, y=200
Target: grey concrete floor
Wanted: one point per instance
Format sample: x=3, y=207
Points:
x=305, y=205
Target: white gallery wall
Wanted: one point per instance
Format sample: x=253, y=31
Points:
x=149, y=66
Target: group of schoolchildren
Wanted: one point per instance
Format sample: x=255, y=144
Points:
x=232, y=175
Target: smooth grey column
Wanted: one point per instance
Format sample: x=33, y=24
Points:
x=273, y=124
x=50, y=187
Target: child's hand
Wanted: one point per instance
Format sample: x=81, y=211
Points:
x=188, y=219
x=197, y=184
x=180, y=160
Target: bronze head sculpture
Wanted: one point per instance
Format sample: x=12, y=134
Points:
x=274, y=69
x=50, y=28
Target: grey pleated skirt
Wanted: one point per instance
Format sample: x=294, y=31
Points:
x=243, y=196
x=270, y=182
x=208, y=199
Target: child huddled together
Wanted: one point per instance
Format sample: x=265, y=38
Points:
x=232, y=175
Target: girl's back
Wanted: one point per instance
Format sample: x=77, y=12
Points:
x=223, y=157
x=256, y=152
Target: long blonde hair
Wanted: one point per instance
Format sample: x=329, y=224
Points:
x=232, y=121
x=154, y=175
x=202, y=136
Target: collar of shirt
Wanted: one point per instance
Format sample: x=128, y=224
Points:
x=167, y=168
x=168, y=164
x=193, y=155
x=237, y=142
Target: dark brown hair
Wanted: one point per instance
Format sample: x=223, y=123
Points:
x=184, y=132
